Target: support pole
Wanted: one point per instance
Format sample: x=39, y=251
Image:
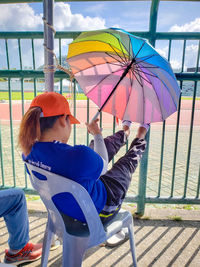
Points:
x=48, y=45
x=144, y=162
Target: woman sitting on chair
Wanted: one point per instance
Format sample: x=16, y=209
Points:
x=44, y=132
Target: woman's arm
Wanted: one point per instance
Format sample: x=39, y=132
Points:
x=99, y=145
x=100, y=148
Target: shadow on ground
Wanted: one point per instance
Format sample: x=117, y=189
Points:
x=159, y=242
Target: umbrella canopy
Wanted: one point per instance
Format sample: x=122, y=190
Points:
x=124, y=75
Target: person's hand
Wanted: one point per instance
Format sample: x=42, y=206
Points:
x=93, y=127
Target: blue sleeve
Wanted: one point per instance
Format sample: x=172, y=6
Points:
x=84, y=163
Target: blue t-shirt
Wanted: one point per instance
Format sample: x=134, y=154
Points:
x=79, y=163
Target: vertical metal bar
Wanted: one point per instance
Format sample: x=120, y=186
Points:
x=11, y=132
x=74, y=112
x=49, y=42
x=161, y=158
x=22, y=84
x=198, y=57
x=60, y=51
x=20, y=54
x=22, y=96
x=153, y=21
x=114, y=125
x=1, y=156
x=33, y=52
x=163, y=136
x=176, y=143
x=61, y=86
x=88, y=119
x=144, y=161
x=190, y=139
x=7, y=57
x=177, y=125
x=33, y=57
x=10, y=113
x=183, y=56
x=198, y=185
x=143, y=179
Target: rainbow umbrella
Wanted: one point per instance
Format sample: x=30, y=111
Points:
x=124, y=75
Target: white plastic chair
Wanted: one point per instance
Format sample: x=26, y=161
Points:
x=77, y=237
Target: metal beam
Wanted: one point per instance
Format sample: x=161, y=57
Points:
x=74, y=34
x=37, y=1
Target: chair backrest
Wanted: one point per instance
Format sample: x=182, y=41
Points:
x=49, y=184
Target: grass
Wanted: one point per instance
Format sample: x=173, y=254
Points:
x=175, y=218
x=30, y=96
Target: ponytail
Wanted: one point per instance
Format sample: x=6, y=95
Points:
x=29, y=131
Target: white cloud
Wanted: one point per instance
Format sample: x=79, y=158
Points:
x=22, y=17
x=65, y=20
x=175, y=64
x=18, y=17
x=163, y=51
x=193, y=26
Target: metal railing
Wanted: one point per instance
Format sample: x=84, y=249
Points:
x=151, y=181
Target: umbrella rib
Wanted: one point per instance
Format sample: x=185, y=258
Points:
x=139, y=49
x=102, y=80
x=136, y=77
x=122, y=49
x=117, y=53
x=150, y=67
x=141, y=76
x=145, y=59
x=142, y=94
x=146, y=73
x=129, y=47
x=131, y=82
x=157, y=98
x=114, y=57
x=115, y=64
x=164, y=85
x=117, y=38
x=137, y=71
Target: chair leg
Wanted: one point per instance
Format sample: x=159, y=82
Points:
x=46, y=245
x=73, y=251
x=132, y=244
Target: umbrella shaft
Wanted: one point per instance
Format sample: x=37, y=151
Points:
x=121, y=78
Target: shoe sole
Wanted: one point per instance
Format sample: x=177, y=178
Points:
x=21, y=262
x=112, y=245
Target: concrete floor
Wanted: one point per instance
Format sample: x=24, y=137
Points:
x=164, y=237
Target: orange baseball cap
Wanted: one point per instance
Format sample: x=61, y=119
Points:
x=53, y=104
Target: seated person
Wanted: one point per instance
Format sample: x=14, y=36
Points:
x=13, y=209
x=44, y=133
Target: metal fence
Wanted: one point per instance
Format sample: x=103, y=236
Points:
x=170, y=169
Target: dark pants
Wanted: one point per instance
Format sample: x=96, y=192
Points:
x=118, y=178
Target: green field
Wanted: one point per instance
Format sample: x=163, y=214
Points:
x=30, y=96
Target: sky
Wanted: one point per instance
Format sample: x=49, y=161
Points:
x=79, y=16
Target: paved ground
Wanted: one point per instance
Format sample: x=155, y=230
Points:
x=153, y=165
x=161, y=241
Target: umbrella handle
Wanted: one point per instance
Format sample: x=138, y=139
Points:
x=95, y=116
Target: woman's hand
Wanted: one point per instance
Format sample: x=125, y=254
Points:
x=93, y=127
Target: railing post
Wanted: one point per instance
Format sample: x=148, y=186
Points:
x=48, y=44
x=144, y=161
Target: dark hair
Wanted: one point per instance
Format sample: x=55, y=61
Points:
x=47, y=122
x=32, y=126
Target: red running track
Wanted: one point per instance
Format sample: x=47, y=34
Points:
x=81, y=112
